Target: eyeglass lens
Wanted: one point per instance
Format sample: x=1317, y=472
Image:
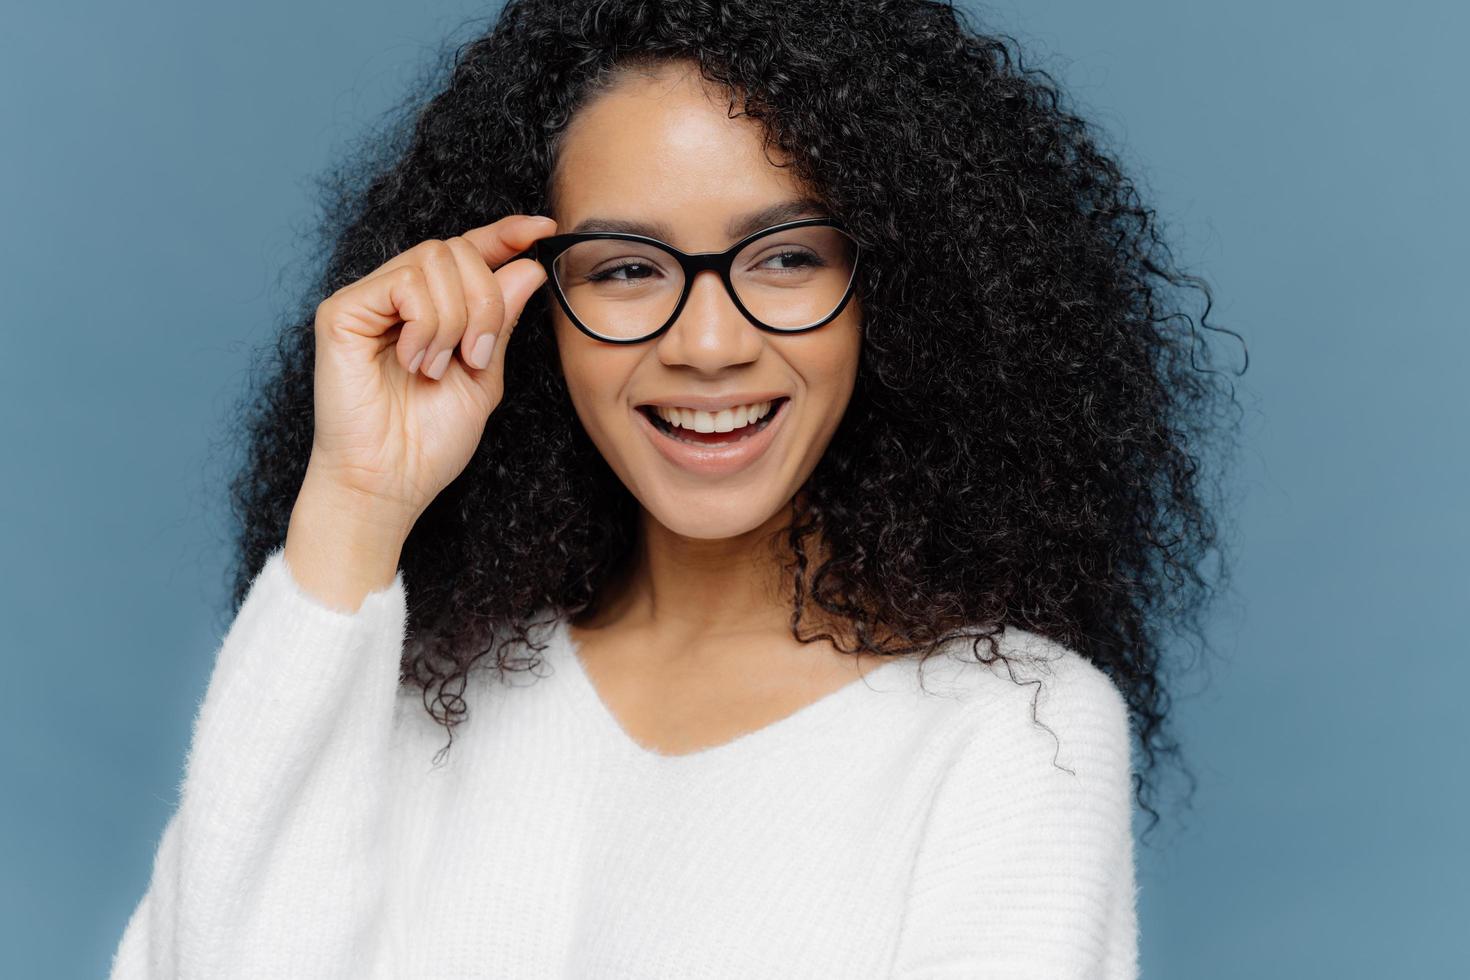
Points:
x=787, y=280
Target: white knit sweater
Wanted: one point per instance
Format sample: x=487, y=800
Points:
x=886, y=830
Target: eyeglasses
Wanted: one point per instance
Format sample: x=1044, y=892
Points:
x=622, y=288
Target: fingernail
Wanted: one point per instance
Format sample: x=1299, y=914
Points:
x=543, y=218
x=480, y=356
x=418, y=359
x=441, y=364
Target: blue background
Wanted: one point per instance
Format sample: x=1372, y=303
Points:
x=1309, y=158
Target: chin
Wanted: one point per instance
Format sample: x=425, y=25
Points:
x=715, y=514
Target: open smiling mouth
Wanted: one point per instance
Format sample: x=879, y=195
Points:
x=693, y=438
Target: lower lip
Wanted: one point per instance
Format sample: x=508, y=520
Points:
x=715, y=460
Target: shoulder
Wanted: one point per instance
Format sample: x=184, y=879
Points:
x=1027, y=828
x=1039, y=698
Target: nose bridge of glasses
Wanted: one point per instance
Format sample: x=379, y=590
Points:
x=716, y=262
x=713, y=262
x=698, y=262
x=691, y=264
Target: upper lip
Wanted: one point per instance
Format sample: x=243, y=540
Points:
x=712, y=403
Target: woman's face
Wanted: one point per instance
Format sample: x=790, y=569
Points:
x=663, y=154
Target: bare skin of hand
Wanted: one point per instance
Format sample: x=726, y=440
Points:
x=397, y=414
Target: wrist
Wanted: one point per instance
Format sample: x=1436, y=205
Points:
x=366, y=517
x=340, y=548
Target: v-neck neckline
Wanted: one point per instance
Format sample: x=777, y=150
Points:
x=785, y=730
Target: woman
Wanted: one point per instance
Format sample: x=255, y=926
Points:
x=760, y=430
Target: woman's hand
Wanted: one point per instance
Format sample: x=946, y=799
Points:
x=398, y=416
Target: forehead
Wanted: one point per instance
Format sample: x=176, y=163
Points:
x=664, y=149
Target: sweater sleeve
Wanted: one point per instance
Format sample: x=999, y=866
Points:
x=270, y=866
x=1025, y=870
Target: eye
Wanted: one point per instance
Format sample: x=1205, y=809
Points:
x=790, y=260
x=642, y=270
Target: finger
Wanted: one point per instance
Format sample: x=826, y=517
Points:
x=442, y=271
x=517, y=281
x=494, y=300
x=372, y=307
x=483, y=302
x=500, y=241
x=496, y=242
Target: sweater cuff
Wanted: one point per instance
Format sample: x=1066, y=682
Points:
x=290, y=672
x=292, y=641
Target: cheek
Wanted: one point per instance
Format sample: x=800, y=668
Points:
x=578, y=369
x=596, y=376
x=831, y=363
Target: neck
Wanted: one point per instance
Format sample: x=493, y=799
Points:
x=701, y=587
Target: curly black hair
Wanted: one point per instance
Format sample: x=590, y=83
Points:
x=1026, y=440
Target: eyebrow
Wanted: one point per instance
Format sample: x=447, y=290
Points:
x=737, y=228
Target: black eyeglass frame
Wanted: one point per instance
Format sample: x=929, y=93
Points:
x=546, y=250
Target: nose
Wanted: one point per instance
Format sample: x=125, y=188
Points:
x=711, y=333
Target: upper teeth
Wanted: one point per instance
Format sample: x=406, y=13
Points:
x=724, y=420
